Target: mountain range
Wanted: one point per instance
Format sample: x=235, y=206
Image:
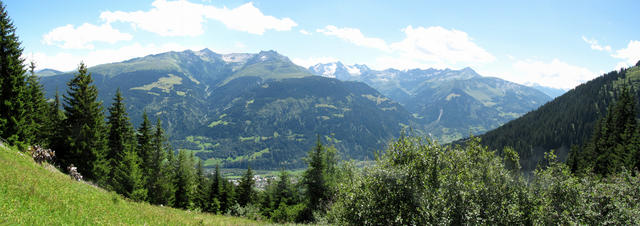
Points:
x=449, y=104
x=260, y=109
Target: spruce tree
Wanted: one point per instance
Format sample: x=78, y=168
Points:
x=158, y=167
x=284, y=191
x=314, y=179
x=227, y=196
x=145, y=148
x=13, y=116
x=85, y=142
x=36, y=109
x=214, y=192
x=246, y=194
x=184, y=181
x=202, y=187
x=128, y=176
x=121, y=140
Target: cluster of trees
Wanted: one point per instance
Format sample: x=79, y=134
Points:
x=615, y=141
x=564, y=122
x=419, y=182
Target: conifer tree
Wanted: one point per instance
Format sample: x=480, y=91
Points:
x=284, y=191
x=314, y=178
x=158, y=167
x=55, y=125
x=214, y=192
x=227, y=196
x=128, y=176
x=12, y=83
x=184, y=181
x=85, y=142
x=145, y=148
x=246, y=194
x=121, y=140
x=202, y=190
x=35, y=109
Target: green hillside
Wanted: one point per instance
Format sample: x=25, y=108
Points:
x=31, y=194
x=564, y=122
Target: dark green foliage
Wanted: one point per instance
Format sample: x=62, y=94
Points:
x=202, y=189
x=127, y=176
x=145, y=148
x=215, y=192
x=419, y=182
x=55, y=125
x=246, y=193
x=36, y=110
x=85, y=143
x=159, y=168
x=615, y=140
x=227, y=196
x=121, y=140
x=13, y=115
x=185, y=181
x=318, y=180
x=564, y=122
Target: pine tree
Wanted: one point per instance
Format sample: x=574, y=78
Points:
x=184, y=181
x=85, y=143
x=246, y=194
x=215, y=192
x=12, y=83
x=128, y=176
x=55, y=125
x=284, y=191
x=159, y=169
x=227, y=196
x=615, y=140
x=314, y=178
x=202, y=188
x=121, y=140
x=36, y=109
x=145, y=148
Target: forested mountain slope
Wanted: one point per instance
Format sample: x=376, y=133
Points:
x=566, y=121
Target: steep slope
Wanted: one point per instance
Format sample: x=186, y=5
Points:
x=449, y=103
x=230, y=108
x=31, y=194
x=568, y=120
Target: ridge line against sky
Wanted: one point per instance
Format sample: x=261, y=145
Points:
x=549, y=43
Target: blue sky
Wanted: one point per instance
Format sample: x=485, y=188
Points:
x=552, y=43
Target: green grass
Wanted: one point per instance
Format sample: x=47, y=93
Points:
x=31, y=194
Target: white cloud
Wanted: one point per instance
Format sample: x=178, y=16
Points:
x=595, y=46
x=354, y=36
x=313, y=61
x=67, y=62
x=630, y=55
x=421, y=48
x=440, y=45
x=555, y=74
x=83, y=36
x=183, y=18
x=304, y=32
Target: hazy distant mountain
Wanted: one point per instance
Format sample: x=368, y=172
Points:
x=551, y=92
x=449, y=103
x=48, y=72
x=245, y=108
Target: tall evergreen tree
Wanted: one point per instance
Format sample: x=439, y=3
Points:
x=214, y=191
x=158, y=166
x=246, y=194
x=227, y=196
x=128, y=176
x=184, y=181
x=55, y=125
x=36, y=109
x=121, y=140
x=145, y=147
x=284, y=191
x=12, y=82
x=314, y=178
x=202, y=189
x=85, y=142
